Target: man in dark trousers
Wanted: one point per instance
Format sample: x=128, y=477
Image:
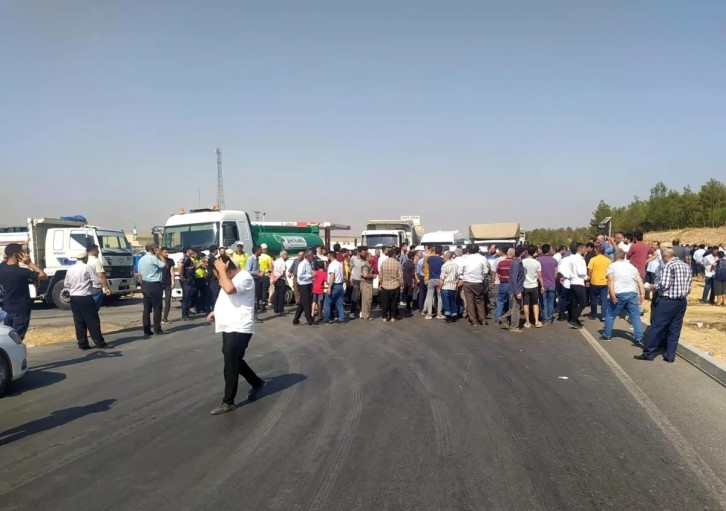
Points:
x=80, y=280
x=673, y=287
x=151, y=272
x=186, y=278
x=234, y=318
x=14, y=282
x=305, y=287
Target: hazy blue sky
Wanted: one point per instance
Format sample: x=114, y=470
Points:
x=460, y=112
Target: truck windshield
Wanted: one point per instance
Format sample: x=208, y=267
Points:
x=114, y=243
x=177, y=237
x=384, y=240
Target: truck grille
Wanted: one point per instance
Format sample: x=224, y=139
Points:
x=120, y=272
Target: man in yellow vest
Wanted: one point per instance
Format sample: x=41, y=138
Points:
x=265, y=271
x=200, y=282
x=240, y=256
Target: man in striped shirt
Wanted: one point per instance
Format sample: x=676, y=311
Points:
x=390, y=283
x=447, y=287
x=673, y=288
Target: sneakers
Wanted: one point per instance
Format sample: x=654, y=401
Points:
x=576, y=325
x=223, y=408
x=255, y=391
x=351, y=315
x=428, y=317
x=603, y=338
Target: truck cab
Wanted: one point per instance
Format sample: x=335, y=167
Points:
x=449, y=240
x=53, y=244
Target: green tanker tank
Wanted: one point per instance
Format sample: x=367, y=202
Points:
x=290, y=238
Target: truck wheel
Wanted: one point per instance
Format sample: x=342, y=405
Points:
x=61, y=298
x=289, y=296
x=5, y=376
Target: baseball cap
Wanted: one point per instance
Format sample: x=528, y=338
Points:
x=82, y=254
x=12, y=249
x=264, y=245
x=240, y=244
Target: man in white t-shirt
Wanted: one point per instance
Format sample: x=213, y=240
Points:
x=234, y=318
x=533, y=284
x=100, y=286
x=626, y=293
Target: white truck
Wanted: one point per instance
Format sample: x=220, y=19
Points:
x=504, y=235
x=53, y=244
x=449, y=240
x=390, y=233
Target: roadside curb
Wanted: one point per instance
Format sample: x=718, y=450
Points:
x=703, y=361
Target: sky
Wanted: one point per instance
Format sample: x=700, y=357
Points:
x=459, y=111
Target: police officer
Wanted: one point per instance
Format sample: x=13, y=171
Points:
x=200, y=282
x=186, y=276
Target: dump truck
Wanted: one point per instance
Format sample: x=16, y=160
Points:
x=53, y=244
x=504, y=235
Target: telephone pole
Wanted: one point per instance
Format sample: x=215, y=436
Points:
x=220, y=182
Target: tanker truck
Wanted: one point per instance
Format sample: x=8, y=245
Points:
x=201, y=228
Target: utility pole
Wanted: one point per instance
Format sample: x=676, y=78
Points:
x=220, y=182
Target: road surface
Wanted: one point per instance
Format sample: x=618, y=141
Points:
x=369, y=415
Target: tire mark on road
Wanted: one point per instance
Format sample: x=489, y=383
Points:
x=338, y=456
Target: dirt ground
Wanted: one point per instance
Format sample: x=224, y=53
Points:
x=42, y=335
x=705, y=325
x=708, y=236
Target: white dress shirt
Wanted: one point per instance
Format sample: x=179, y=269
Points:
x=279, y=269
x=304, y=273
x=473, y=268
x=709, y=265
x=79, y=279
x=236, y=312
x=578, y=270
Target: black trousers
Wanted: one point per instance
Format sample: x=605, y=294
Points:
x=264, y=291
x=201, y=302
x=152, y=302
x=407, y=295
x=278, y=299
x=354, y=296
x=86, y=320
x=305, y=304
x=167, y=302
x=577, y=302
x=234, y=345
x=389, y=303
x=212, y=293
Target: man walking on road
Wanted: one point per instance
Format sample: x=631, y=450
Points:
x=626, y=292
x=391, y=282
x=597, y=273
x=234, y=318
x=14, y=282
x=673, y=288
x=577, y=276
x=305, y=288
x=533, y=285
x=334, y=293
x=79, y=281
x=150, y=273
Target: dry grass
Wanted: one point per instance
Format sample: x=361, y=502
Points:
x=44, y=335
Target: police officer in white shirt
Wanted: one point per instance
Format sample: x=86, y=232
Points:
x=234, y=318
x=79, y=281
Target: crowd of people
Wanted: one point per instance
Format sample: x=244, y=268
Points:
x=518, y=287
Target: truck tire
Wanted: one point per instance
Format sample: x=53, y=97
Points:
x=289, y=296
x=5, y=377
x=60, y=296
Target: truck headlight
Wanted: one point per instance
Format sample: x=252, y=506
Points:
x=15, y=337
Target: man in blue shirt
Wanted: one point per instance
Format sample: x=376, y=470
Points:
x=150, y=273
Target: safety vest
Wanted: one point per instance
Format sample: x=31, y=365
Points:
x=240, y=260
x=200, y=271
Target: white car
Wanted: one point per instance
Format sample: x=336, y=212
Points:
x=13, y=358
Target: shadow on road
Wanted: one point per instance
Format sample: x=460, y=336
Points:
x=276, y=384
x=55, y=419
x=142, y=337
x=94, y=355
x=35, y=379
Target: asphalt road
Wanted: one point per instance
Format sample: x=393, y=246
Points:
x=414, y=415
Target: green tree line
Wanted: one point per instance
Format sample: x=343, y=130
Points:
x=665, y=209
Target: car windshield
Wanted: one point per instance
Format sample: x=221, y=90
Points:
x=114, y=243
x=177, y=237
x=384, y=240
